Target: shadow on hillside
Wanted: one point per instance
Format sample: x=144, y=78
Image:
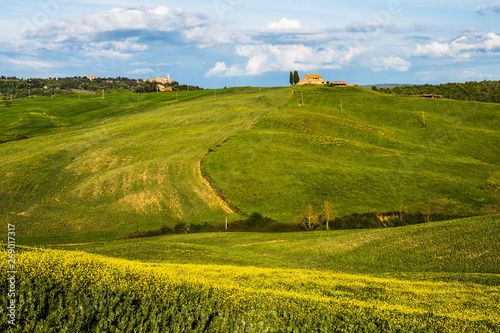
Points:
x=259, y=223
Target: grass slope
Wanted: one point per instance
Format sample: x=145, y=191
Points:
x=37, y=116
x=440, y=277
x=110, y=176
x=469, y=245
x=371, y=153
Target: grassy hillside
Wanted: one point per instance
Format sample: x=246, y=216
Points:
x=436, y=277
x=469, y=245
x=93, y=171
x=37, y=116
x=364, y=151
x=109, y=172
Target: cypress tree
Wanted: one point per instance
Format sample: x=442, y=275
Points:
x=291, y=78
x=296, y=78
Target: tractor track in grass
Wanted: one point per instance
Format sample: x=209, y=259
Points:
x=226, y=204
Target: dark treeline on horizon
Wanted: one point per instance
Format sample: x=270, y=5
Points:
x=484, y=91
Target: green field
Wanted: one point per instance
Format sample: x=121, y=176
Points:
x=82, y=173
x=103, y=169
x=114, y=175
x=33, y=117
x=374, y=154
x=436, y=277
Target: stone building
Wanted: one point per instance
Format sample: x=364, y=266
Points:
x=311, y=79
x=163, y=80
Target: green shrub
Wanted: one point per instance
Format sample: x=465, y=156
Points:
x=166, y=230
x=181, y=227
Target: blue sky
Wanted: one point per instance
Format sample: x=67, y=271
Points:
x=219, y=43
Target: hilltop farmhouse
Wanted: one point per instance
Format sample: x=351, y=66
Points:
x=311, y=79
x=318, y=79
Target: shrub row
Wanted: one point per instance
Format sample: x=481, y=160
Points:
x=256, y=222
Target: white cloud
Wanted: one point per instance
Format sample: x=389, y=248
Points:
x=491, y=42
x=30, y=63
x=141, y=71
x=460, y=48
x=369, y=26
x=220, y=69
x=126, y=45
x=391, y=64
x=120, y=24
x=435, y=50
x=471, y=75
x=98, y=53
x=488, y=9
x=284, y=23
x=269, y=58
x=453, y=76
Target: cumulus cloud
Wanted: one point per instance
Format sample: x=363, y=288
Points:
x=488, y=9
x=460, y=48
x=128, y=30
x=284, y=23
x=391, y=64
x=436, y=50
x=269, y=58
x=220, y=69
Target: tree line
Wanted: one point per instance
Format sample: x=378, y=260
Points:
x=309, y=220
x=22, y=88
x=483, y=91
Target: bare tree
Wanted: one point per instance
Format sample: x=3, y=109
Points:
x=306, y=219
x=401, y=211
x=330, y=213
x=426, y=211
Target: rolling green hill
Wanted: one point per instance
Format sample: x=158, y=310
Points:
x=468, y=245
x=364, y=151
x=103, y=169
x=126, y=169
x=36, y=116
x=93, y=171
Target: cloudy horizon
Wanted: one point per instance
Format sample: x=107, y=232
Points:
x=236, y=42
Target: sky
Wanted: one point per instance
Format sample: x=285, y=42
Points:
x=218, y=43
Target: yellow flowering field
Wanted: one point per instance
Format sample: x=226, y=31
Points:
x=309, y=295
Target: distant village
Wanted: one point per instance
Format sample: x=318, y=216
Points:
x=15, y=88
x=161, y=82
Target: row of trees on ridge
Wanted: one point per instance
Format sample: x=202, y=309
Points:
x=484, y=91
